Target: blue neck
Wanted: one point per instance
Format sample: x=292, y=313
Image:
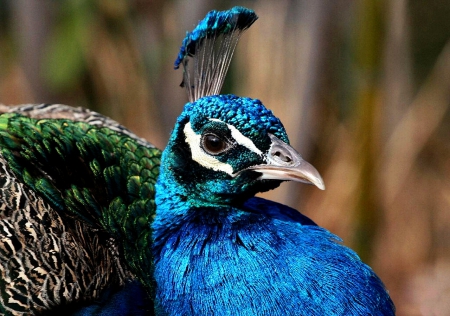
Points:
x=171, y=205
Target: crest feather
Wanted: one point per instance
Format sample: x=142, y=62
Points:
x=206, y=51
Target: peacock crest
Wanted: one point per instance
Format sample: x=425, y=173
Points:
x=206, y=52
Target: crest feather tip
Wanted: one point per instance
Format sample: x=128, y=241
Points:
x=210, y=46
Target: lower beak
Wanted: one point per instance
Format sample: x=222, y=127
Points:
x=285, y=163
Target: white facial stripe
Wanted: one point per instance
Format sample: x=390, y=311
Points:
x=241, y=139
x=200, y=156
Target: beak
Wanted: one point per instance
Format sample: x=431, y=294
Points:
x=285, y=163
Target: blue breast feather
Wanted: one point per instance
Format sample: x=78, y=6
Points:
x=129, y=300
x=265, y=259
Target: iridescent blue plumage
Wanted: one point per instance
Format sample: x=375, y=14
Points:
x=131, y=300
x=220, y=251
x=248, y=115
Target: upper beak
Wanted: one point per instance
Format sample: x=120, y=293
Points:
x=285, y=163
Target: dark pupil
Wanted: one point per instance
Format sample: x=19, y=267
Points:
x=213, y=144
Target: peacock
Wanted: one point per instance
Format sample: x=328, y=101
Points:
x=218, y=249
x=97, y=221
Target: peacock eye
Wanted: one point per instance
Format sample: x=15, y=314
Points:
x=213, y=144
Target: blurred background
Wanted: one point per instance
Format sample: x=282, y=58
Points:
x=363, y=88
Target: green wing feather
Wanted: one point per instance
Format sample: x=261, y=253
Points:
x=93, y=178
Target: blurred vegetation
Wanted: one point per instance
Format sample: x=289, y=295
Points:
x=363, y=88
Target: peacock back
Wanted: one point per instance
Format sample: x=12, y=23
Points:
x=76, y=196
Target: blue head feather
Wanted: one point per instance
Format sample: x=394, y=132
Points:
x=248, y=115
x=201, y=186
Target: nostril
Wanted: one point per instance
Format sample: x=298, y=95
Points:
x=282, y=156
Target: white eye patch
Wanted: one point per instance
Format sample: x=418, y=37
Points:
x=208, y=161
x=200, y=156
x=241, y=139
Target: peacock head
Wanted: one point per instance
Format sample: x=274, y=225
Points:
x=224, y=149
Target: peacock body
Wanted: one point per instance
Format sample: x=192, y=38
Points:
x=96, y=221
